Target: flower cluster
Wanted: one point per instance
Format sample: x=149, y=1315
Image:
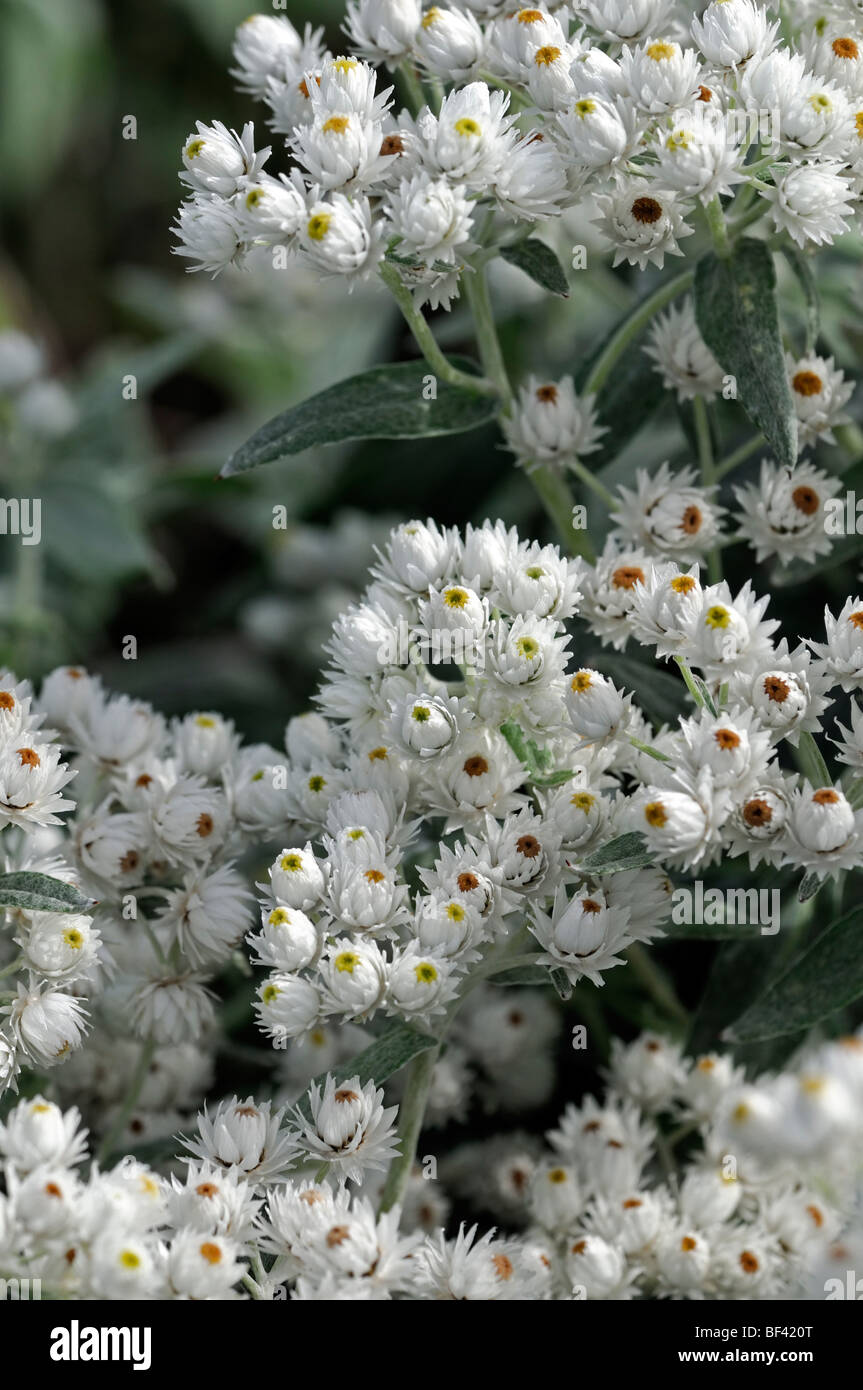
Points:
x=685, y=1181
x=640, y=112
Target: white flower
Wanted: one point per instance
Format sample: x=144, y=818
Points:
x=680, y=824
x=46, y=1024
x=246, y=1138
x=287, y=1006
x=842, y=653
x=582, y=934
x=697, y=158
x=662, y=605
x=426, y=725
x=596, y=708
x=32, y=775
x=203, y=1266
x=826, y=830
x=203, y=742
x=597, y=1267
x=472, y=137
x=189, y=820
x=417, y=555
x=218, y=160
x=38, y=1132
x=784, y=514
x=339, y=236
x=420, y=983
x=288, y=940
x=213, y=1200
x=297, y=879
x=549, y=421
x=353, y=977
x=661, y=75
x=643, y=223
x=383, y=30
x=432, y=216
x=666, y=513
x=624, y=21
x=820, y=394
x=61, y=946
x=730, y=32
x=514, y=40
x=171, y=1009
x=449, y=43
x=532, y=183
x=596, y=132
x=208, y=914
x=273, y=209
x=811, y=202
x=349, y=1128
x=263, y=45
x=723, y=635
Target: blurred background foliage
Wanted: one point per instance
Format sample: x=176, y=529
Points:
x=138, y=537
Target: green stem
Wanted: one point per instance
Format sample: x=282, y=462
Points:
x=737, y=224
x=690, y=683
x=556, y=497
x=416, y=99
x=581, y=471
x=708, y=473
x=550, y=486
x=411, y=1112
x=732, y=461
x=139, y=1076
x=718, y=230
x=491, y=356
x=633, y=326
x=655, y=983
x=425, y=339
x=11, y=969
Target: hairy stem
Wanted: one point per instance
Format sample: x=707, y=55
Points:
x=655, y=983
x=425, y=339
x=633, y=326
x=732, y=461
x=708, y=473
x=718, y=230
x=411, y=1112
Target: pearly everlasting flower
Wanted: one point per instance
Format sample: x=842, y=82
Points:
x=245, y=1138
x=820, y=393
x=338, y=236
x=471, y=138
x=661, y=75
x=46, y=1024
x=582, y=935
x=643, y=223
x=32, y=776
x=551, y=422
x=449, y=43
x=37, y=1132
x=287, y=1006
x=784, y=514
x=383, y=30
x=348, y=1128
x=730, y=32
x=842, y=653
x=826, y=830
x=811, y=202
x=219, y=161
x=682, y=358
x=667, y=514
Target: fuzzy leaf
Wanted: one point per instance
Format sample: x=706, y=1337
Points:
x=824, y=978
x=735, y=306
x=40, y=893
x=383, y=403
x=393, y=1049
x=539, y=262
x=620, y=854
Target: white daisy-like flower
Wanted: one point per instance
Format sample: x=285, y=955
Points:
x=820, y=393
x=550, y=422
x=811, y=202
x=245, y=1138
x=682, y=358
x=783, y=515
x=668, y=514
x=347, y=1128
x=643, y=222
x=581, y=935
